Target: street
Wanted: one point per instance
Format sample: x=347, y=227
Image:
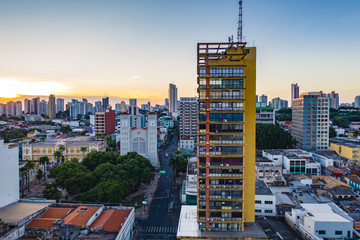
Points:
x=163, y=214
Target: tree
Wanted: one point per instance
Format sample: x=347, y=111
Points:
x=65, y=129
x=39, y=175
x=44, y=160
x=269, y=136
x=51, y=192
x=110, y=142
x=332, y=132
x=178, y=164
x=61, y=148
x=29, y=165
x=83, y=150
x=340, y=121
x=57, y=155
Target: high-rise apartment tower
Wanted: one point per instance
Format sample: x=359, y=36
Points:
x=310, y=121
x=226, y=142
x=188, y=117
x=294, y=92
x=173, y=102
x=52, y=106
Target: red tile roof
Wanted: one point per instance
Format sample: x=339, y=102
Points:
x=80, y=216
x=49, y=217
x=111, y=220
x=58, y=213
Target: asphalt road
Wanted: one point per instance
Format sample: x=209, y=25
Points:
x=162, y=223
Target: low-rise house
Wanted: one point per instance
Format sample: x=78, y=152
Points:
x=347, y=148
x=321, y=221
x=265, y=201
x=338, y=194
x=187, y=143
x=334, y=172
x=269, y=172
x=354, y=182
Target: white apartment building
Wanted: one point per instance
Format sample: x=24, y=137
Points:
x=188, y=117
x=173, y=102
x=265, y=115
x=321, y=221
x=9, y=177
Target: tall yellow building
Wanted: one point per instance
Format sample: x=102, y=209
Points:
x=33, y=151
x=226, y=146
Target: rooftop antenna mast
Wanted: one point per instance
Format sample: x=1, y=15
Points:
x=239, y=32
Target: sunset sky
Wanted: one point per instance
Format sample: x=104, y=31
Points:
x=135, y=48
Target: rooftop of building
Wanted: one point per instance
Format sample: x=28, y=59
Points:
x=81, y=215
x=14, y=213
x=334, y=170
x=354, y=179
x=284, y=199
x=330, y=154
x=341, y=191
x=328, y=181
x=77, y=140
x=348, y=142
x=48, y=219
x=267, y=164
x=261, y=188
x=324, y=212
x=111, y=220
x=189, y=227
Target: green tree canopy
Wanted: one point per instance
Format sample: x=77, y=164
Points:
x=269, y=136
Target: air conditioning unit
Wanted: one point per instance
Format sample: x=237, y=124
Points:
x=223, y=219
x=211, y=219
x=207, y=164
x=214, y=186
x=235, y=187
x=221, y=165
x=208, y=219
x=201, y=185
x=227, y=165
x=229, y=197
x=224, y=186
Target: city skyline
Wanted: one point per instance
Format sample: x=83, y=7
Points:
x=122, y=49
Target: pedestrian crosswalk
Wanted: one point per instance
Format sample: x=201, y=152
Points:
x=155, y=229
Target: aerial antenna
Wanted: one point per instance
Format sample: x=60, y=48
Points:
x=239, y=33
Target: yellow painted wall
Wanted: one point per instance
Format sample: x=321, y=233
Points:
x=346, y=151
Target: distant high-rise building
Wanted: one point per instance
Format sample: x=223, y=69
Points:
x=263, y=98
x=10, y=108
x=133, y=109
x=166, y=103
x=188, y=117
x=105, y=122
x=278, y=103
x=60, y=105
x=295, y=91
x=43, y=108
x=85, y=106
x=18, y=111
x=35, y=105
x=226, y=147
x=90, y=108
x=117, y=107
x=333, y=100
x=52, y=106
x=257, y=98
x=98, y=107
x=105, y=103
x=123, y=107
x=2, y=109
x=357, y=102
x=74, y=108
x=310, y=121
x=27, y=106
x=173, y=102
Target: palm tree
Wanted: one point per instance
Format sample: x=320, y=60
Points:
x=62, y=149
x=29, y=165
x=57, y=154
x=43, y=161
x=83, y=150
x=23, y=173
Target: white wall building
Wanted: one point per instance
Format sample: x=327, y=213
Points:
x=189, y=117
x=173, y=102
x=9, y=177
x=265, y=200
x=140, y=140
x=321, y=221
x=187, y=144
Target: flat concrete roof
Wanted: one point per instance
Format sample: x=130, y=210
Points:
x=16, y=212
x=189, y=227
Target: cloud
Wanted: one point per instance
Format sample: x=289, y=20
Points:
x=134, y=77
